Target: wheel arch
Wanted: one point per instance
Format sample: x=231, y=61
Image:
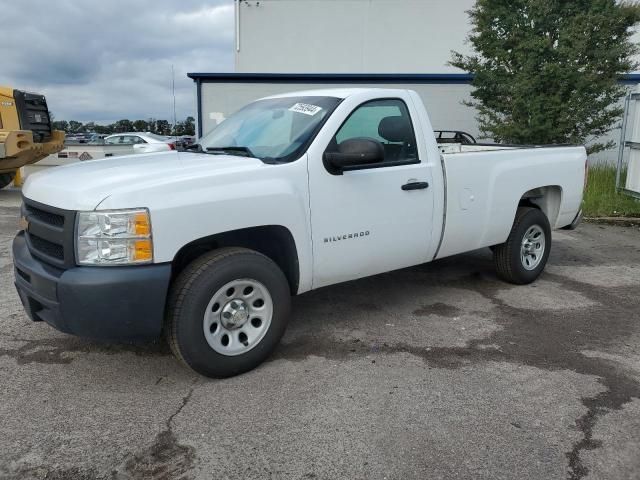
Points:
x=548, y=199
x=273, y=241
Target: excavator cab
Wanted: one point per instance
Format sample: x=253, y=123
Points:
x=26, y=135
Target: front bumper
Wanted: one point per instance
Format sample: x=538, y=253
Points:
x=115, y=303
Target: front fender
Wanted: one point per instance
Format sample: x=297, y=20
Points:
x=194, y=208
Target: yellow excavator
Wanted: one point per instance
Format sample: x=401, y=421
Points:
x=26, y=135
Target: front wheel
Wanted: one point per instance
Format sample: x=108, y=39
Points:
x=522, y=258
x=227, y=312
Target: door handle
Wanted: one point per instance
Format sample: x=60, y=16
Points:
x=415, y=186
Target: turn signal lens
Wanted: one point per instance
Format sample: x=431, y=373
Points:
x=141, y=224
x=142, y=251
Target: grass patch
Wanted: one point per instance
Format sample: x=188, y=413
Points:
x=601, y=198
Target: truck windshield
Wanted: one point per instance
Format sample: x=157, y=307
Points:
x=274, y=129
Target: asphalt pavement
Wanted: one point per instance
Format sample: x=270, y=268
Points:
x=434, y=372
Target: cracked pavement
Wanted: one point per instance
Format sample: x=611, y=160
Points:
x=438, y=371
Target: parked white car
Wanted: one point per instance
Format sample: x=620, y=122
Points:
x=142, y=142
x=291, y=193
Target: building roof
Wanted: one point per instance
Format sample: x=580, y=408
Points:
x=432, y=78
x=330, y=92
x=332, y=77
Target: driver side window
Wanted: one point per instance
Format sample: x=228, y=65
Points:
x=385, y=121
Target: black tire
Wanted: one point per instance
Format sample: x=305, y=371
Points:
x=6, y=179
x=507, y=256
x=190, y=296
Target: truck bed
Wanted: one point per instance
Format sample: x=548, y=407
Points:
x=485, y=183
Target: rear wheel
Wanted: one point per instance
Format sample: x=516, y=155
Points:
x=6, y=179
x=522, y=258
x=227, y=312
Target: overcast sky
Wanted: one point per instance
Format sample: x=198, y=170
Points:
x=108, y=60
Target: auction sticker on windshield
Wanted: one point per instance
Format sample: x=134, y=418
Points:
x=305, y=108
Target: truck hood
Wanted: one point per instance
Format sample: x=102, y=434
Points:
x=84, y=185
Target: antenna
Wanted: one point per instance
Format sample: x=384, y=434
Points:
x=173, y=91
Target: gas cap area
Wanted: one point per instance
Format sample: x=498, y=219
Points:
x=466, y=197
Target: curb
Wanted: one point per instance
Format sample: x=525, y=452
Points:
x=619, y=221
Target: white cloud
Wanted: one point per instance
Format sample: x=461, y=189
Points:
x=103, y=61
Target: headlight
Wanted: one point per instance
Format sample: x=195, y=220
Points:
x=119, y=237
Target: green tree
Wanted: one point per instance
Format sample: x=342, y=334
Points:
x=140, y=126
x=75, y=126
x=547, y=71
x=163, y=127
x=103, y=129
x=60, y=125
x=187, y=127
x=122, y=126
x=190, y=126
x=177, y=129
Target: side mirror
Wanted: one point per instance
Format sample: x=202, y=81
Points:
x=354, y=154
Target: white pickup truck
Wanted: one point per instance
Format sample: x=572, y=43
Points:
x=289, y=194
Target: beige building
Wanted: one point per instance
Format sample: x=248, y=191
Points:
x=288, y=45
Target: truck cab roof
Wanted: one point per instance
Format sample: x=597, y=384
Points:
x=339, y=92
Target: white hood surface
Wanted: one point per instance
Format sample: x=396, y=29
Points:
x=84, y=185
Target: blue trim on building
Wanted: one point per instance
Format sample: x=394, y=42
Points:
x=199, y=105
x=630, y=78
x=447, y=78
x=427, y=78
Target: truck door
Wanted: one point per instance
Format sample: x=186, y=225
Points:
x=377, y=218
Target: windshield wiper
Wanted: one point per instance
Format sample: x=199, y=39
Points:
x=245, y=151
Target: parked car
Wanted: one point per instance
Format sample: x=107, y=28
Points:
x=185, y=141
x=291, y=193
x=142, y=142
x=97, y=139
x=80, y=137
x=74, y=138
